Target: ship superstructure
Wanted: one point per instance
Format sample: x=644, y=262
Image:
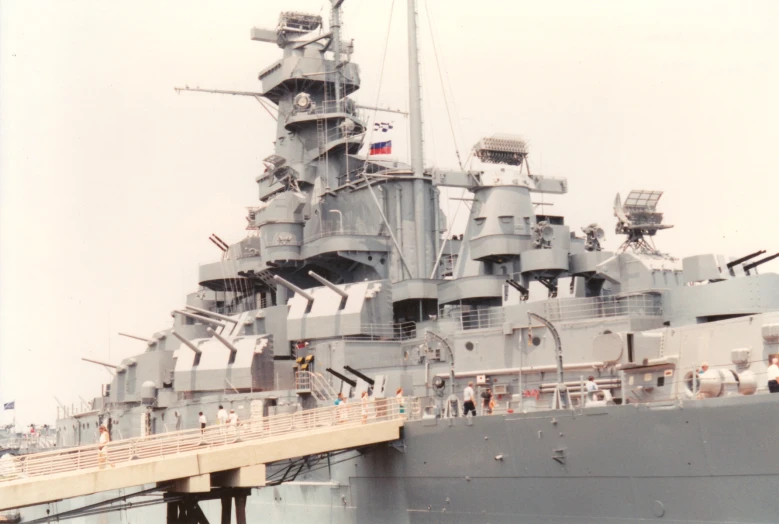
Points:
x=344, y=284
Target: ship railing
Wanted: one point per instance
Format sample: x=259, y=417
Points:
x=346, y=106
x=331, y=228
x=395, y=332
x=316, y=384
x=116, y=453
x=634, y=305
x=481, y=318
x=564, y=309
x=334, y=134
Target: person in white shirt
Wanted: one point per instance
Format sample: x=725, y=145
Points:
x=102, y=451
x=221, y=415
x=773, y=376
x=591, y=386
x=469, y=400
x=233, y=418
x=203, y=422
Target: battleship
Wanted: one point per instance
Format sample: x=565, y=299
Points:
x=346, y=282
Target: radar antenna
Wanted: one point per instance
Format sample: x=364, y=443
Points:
x=639, y=219
x=502, y=149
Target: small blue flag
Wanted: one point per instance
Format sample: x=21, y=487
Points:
x=9, y=405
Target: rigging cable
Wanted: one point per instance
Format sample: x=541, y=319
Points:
x=454, y=139
x=364, y=176
x=381, y=78
x=443, y=88
x=265, y=107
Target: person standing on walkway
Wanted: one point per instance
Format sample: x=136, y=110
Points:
x=364, y=406
x=591, y=387
x=221, y=419
x=203, y=422
x=102, y=449
x=469, y=400
x=343, y=416
x=401, y=402
x=773, y=376
x=221, y=415
x=487, y=402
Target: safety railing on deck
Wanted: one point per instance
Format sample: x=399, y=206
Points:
x=401, y=331
x=639, y=305
x=565, y=309
x=329, y=228
x=331, y=106
x=168, y=444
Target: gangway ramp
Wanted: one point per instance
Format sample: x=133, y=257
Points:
x=195, y=460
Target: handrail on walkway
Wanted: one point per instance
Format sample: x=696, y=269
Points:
x=162, y=445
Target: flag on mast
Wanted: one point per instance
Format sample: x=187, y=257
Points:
x=381, y=148
x=9, y=405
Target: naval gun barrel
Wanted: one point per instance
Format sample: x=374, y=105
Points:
x=226, y=343
x=217, y=244
x=761, y=261
x=292, y=287
x=198, y=317
x=187, y=343
x=336, y=374
x=224, y=244
x=212, y=314
x=519, y=287
x=105, y=364
x=744, y=259
x=133, y=336
x=329, y=284
x=359, y=374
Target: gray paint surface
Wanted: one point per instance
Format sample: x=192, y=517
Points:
x=636, y=317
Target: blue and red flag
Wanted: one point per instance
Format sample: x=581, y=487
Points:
x=381, y=148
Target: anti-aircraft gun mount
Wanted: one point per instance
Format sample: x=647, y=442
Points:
x=594, y=236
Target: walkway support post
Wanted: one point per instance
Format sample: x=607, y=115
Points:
x=227, y=501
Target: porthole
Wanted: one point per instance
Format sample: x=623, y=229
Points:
x=536, y=341
x=469, y=346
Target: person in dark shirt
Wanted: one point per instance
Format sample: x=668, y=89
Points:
x=486, y=402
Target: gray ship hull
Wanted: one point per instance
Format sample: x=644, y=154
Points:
x=698, y=461
x=701, y=461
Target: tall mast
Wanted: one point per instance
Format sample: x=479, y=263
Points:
x=335, y=28
x=415, y=115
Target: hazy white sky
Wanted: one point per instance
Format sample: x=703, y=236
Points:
x=110, y=183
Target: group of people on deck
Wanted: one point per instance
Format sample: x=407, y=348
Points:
x=223, y=419
x=488, y=403
x=365, y=400
x=469, y=401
